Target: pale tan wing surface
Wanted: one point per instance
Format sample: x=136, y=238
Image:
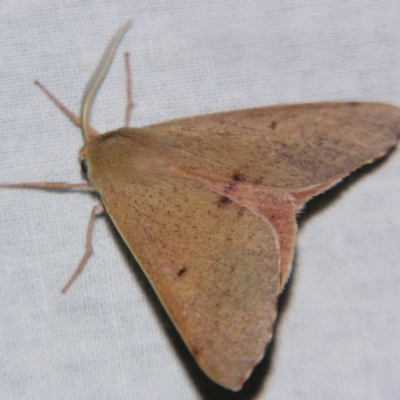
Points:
x=213, y=264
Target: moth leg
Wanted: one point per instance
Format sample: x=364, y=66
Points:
x=88, y=249
x=50, y=186
x=129, y=100
x=72, y=116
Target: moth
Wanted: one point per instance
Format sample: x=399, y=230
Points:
x=207, y=205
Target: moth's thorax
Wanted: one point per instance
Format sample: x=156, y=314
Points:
x=125, y=155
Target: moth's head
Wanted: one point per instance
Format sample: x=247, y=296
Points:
x=95, y=161
x=83, y=161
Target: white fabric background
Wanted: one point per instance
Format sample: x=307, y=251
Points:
x=338, y=331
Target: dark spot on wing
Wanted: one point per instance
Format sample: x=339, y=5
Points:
x=238, y=177
x=273, y=125
x=182, y=271
x=224, y=200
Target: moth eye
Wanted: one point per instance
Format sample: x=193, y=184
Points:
x=84, y=167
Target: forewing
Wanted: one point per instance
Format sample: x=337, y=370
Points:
x=213, y=264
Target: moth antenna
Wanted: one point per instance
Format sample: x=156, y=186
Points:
x=97, y=78
x=129, y=99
